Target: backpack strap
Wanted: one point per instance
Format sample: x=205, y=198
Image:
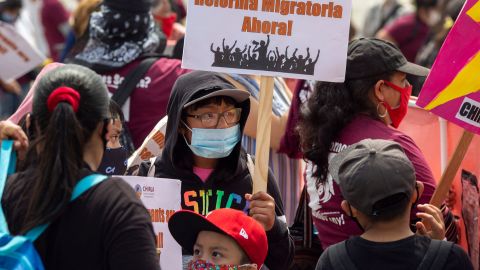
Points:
x=8, y=160
x=131, y=80
x=338, y=256
x=436, y=256
x=83, y=185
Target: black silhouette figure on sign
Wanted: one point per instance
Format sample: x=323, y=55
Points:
x=290, y=63
x=218, y=55
x=310, y=66
x=300, y=63
x=227, y=51
x=262, y=49
x=237, y=55
x=257, y=56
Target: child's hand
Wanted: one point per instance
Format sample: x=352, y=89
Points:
x=432, y=222
x=262, y=209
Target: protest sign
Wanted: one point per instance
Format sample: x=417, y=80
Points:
x=16, y=55
x=296, y=39
x=161, y=197
x=151, y=147
x=452, y=88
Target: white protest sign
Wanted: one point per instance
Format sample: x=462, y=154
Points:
x=152, y=146
x=17, y=57
x=161, y=197
x=296, y=39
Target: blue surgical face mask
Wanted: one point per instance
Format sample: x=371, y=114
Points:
x=213, y=143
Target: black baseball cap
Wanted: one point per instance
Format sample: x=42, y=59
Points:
x=369, y=57
x=207, y=84
x=371, y=172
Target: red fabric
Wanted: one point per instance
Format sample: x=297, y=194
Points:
x=62, y=94
x=167, y=23
x=396, y=115
x=148, y=102
x=245, y=230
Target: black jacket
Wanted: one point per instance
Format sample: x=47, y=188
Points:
x=227, y=185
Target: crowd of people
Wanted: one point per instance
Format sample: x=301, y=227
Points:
x=368, y=184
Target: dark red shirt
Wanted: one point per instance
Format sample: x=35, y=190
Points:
x=332, y=223
x=410, y=33
x=54, y=18
x=148, y=102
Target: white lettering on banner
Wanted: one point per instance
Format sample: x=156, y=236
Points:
x=116, y=80
x=337, y=147
x=469, y=112
x=336, y=217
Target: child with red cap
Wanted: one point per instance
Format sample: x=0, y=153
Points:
x=226, y=239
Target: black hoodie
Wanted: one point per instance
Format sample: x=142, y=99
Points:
x=229, y=182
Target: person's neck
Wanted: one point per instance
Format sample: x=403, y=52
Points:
x=92, y=155
x=204, y=163
x=388, y=231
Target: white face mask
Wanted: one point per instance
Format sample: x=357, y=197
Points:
x=434, y=18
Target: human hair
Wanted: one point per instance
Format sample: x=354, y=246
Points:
x=116, y=112
x=330, y=108
x=213, y=100
x=11, y=5
x=425, y=3
x=55, y=157
x=391, y=207
x=245, y=259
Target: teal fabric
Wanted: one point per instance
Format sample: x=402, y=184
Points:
x=82, y=186
x=7, y=166
x=18, y=252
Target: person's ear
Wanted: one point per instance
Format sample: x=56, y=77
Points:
x=346, y=208
x=418, y=191
x=377, y=91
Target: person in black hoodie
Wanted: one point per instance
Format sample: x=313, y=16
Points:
x=206, y=116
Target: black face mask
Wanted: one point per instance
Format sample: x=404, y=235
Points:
x=114, y=161
x=418, y=197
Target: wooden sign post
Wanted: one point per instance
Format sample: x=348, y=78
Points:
x=452, y=168
x=264, y=129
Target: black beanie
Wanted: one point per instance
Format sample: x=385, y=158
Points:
x=135, y=6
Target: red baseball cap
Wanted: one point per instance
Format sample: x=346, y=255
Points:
x=185, y=225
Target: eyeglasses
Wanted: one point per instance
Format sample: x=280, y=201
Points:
x=210, y=119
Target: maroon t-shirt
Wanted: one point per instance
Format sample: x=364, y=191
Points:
x=148, y=102
x=54, y=18
x=410, y=33
x=332, y=223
